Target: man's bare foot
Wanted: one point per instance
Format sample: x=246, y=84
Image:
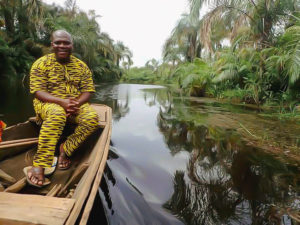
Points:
x=64, y=161
x=35, y=176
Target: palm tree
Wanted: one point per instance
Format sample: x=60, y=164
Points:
x=262, y=16
x=121, y=52
x=172, y=54
x=285, y=58
x=19, y=35
x=152, y=64
x=17, y=22
x=26, y=37
x=185, y=37
x=7, y=8
x=96, y=48
x=71, y=8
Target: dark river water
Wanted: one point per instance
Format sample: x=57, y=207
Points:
x=176, y=160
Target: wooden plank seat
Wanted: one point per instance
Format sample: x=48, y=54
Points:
x=35, y=209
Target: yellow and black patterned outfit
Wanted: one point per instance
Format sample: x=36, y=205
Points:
x=63, y=81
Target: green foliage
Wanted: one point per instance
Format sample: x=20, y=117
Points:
x=291, y=47
x=139, y=75
x=15, y=60
x=260, y=65
x=25, y=38
x=194, y=77
x=235, y=95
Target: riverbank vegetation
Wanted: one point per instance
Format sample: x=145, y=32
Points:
x=245, y=51
x=25, y=29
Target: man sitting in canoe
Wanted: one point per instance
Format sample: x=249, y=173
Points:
x=62, y=86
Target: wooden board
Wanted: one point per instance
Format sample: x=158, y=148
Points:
x=102, y=112
x=96, y=184
x=14, y=222
x=34, y=208
x=86, y=182
x=20, y=142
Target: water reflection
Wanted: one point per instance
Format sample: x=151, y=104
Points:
x=179, y=161
x=226, y=181
x=115, y=97
x=124, y=202
x=131, y=187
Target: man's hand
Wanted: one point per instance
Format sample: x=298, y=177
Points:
x=71, y=106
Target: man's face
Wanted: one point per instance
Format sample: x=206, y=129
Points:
x=62, y=46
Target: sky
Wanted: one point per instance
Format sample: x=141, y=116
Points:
x=142, y=25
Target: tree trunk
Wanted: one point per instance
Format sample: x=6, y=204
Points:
x=192, y=47
x=9, y=22
x=198, y=51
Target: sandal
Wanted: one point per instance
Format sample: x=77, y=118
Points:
x=47, y=170
x=36, y=171
x=63, y=159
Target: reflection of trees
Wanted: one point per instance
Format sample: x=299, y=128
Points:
x=108, y=95
x=176, y=137
x=157, y=96
x=207, y=188
x=120, y=108
x=150, y=100
x=202, y=203
x=225, y=181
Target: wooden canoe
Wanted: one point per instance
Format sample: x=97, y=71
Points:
x=70, y=196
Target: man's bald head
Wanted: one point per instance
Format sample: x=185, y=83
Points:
x=61, y=33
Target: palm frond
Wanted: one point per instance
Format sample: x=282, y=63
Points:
x=293, y=64
x=189, y=80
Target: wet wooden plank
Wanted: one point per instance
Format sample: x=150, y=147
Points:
x=34, y=208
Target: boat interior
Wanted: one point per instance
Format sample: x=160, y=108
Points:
x=73, y=189
x=14, y=159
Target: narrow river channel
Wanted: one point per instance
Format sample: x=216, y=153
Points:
x=176, y=160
